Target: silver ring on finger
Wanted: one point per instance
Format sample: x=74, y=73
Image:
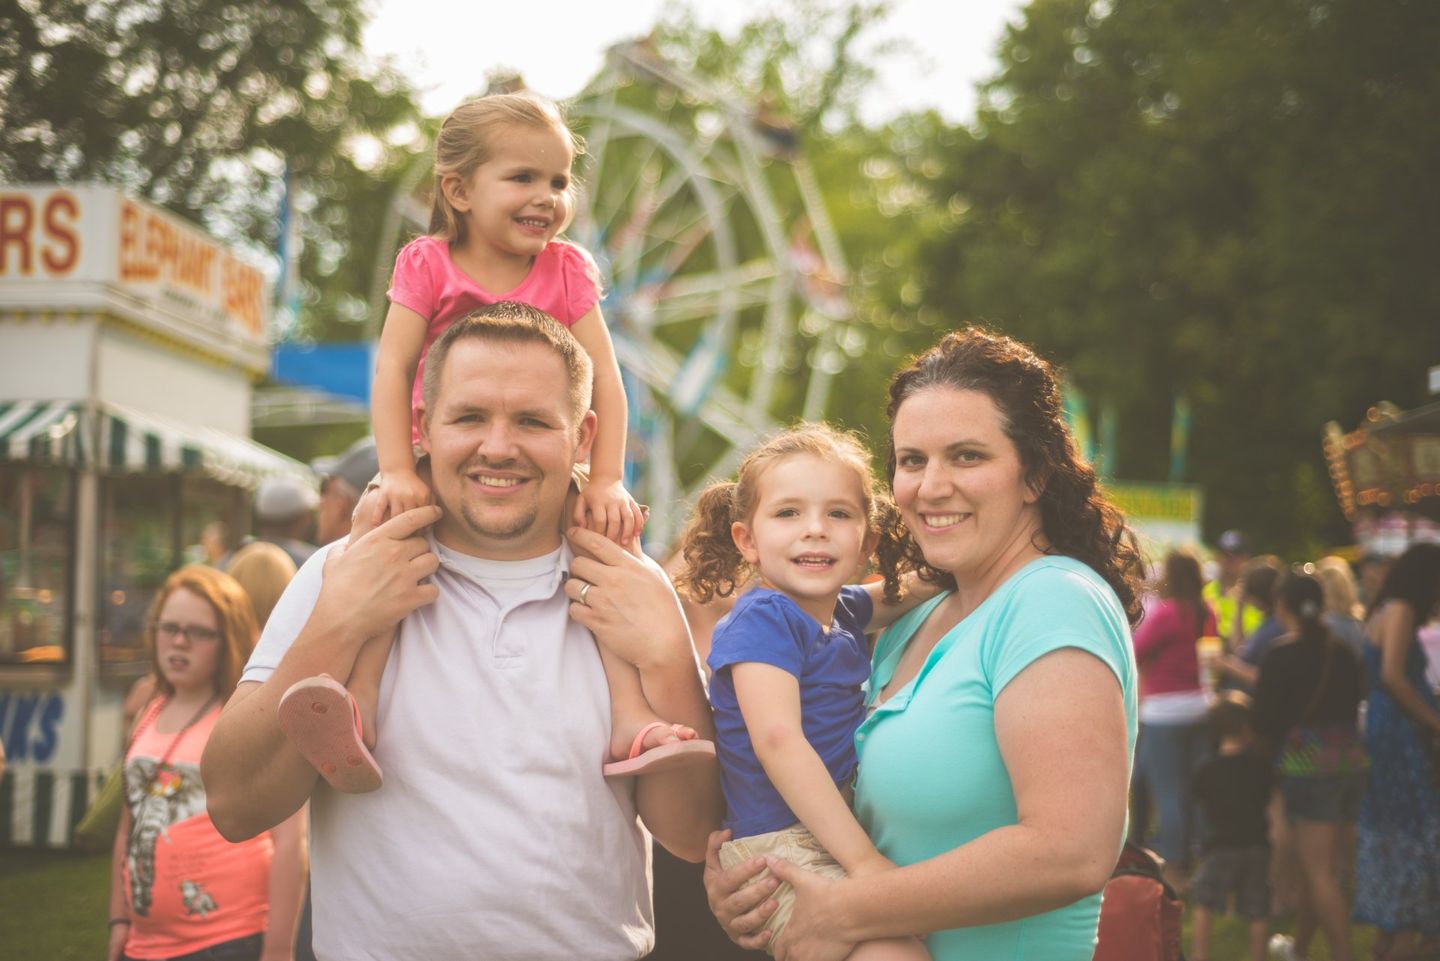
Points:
x=585, y=589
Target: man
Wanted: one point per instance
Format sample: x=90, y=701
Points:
x=284, y=514
x=1257, y=593
x=342, y=482
x=495, y=834
x=1232, y=554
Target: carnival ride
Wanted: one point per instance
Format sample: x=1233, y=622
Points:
x=1386, y=474
x=725, y=287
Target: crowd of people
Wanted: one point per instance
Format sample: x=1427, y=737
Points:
x=483, y=700
x=1290, y=747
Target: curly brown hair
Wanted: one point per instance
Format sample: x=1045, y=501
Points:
x=714, y=566
x=1076, y=519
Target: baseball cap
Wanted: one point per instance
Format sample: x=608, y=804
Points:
x=281, y=498
x=356, y=467
x=1233, y=542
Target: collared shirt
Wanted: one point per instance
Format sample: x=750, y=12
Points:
x=495, y=834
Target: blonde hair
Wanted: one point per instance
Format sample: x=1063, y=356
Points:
x=467, y=139
x=236, y=618
x=1339, y=583
x=263, y=570
x=714, y=566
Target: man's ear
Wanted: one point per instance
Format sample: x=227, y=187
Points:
x=586, y=436
x=744, y=540
x=422, y=417
x=452, y=185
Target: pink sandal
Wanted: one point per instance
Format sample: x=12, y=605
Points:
x=322, y=720
x=666, y=757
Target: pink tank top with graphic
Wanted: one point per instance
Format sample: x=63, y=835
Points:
x=187, y=887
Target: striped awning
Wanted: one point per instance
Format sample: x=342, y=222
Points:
x=133, y=441
x=44, y=431
x=119, y=440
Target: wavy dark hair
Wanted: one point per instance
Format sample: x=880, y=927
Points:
x=1075, y=517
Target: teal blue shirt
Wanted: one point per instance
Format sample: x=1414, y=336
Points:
x=931, y=775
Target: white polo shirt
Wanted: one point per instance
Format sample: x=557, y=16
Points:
x=494, y=835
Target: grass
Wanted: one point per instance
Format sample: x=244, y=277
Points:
x=54, y=905
x=1229, y=942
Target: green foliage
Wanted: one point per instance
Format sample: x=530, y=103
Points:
x=1234, y=201
x=803, y=63
x=198, y=105
x=808, y=67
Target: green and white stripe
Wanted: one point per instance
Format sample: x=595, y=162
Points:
x=44, y=431
x=118, y=439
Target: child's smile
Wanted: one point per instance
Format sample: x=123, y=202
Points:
x=809, y=534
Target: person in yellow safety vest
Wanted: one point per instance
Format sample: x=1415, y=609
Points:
x=1232, y=553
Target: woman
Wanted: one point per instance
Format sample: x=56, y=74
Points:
x=995, y=764
x=179, y=890
x=1307, y=703
x=263, y=570
x=1173, y=735
x=1344, y=614
x=1397, y=870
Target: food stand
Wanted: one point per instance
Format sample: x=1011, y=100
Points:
x=1386, y=474
x=129, y=344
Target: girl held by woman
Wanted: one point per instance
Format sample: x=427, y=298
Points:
x=178, y=889
x=788, y=662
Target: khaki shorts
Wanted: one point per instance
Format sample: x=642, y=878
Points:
x=795, y=844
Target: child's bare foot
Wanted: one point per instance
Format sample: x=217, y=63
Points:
x=659, y=746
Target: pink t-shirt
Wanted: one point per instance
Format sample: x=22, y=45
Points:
x=187, y=887
x=563, y=282
x=1165, y=648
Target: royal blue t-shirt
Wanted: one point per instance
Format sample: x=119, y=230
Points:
x=766, y=627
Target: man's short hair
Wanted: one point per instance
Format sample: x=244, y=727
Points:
x=511, y=322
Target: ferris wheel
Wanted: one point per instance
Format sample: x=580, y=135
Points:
x=725, y=288
x=725, y=283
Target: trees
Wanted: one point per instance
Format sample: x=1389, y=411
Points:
x=1227, y=201
x=201, y=106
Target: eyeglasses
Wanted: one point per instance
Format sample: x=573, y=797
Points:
x=194, y=633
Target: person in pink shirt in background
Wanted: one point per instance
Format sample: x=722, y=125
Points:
x=1173, y=702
